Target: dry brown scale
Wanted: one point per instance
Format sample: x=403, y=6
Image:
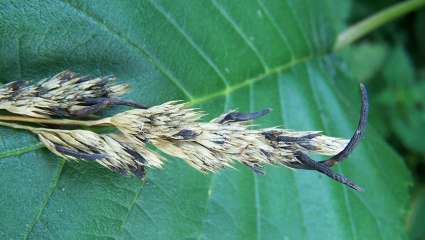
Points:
x=172, y=127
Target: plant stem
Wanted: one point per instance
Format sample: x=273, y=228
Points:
x=18, y=126
x=373, y=22
x=100, y=122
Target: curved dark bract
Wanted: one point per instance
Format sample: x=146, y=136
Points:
x=355, y=139
x=305, y=162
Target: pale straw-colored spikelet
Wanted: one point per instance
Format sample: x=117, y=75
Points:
x=208, y=146
x=286, y=143
x=64, y=94
x=162, y=121
x=328, y=146
x=109, y=150
x=212, y=146
x=8, y=90
x=307, y=141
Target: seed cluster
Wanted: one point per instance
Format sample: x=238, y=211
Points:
x=112, y=151
x=63, y=95
x=172, y=127
x=209, y=146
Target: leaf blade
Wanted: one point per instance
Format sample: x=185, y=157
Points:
x=163, y=50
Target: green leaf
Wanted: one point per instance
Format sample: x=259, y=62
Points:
x=218, y=55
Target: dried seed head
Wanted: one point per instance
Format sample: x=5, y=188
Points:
x=214, y=146
x=172, y=127
x=61, y=95
x=306, y=141
x=112, y=151
x=176, y=130
x=162, y=121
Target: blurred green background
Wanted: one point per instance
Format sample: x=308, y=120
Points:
x=391, y=61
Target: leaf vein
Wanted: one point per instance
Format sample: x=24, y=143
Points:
x=300, y=27
x=192, y=43
x=241, y=34
x=48, y=197
x=148, y=56
x=323, y=124
x=22, y=150
x=130, y=208
x=254, y=176
x=275, y=26
x=249, y=81
x=292, y=173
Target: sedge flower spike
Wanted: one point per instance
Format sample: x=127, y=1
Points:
x=109, y=150
x=64, y=95
x=173, y=128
